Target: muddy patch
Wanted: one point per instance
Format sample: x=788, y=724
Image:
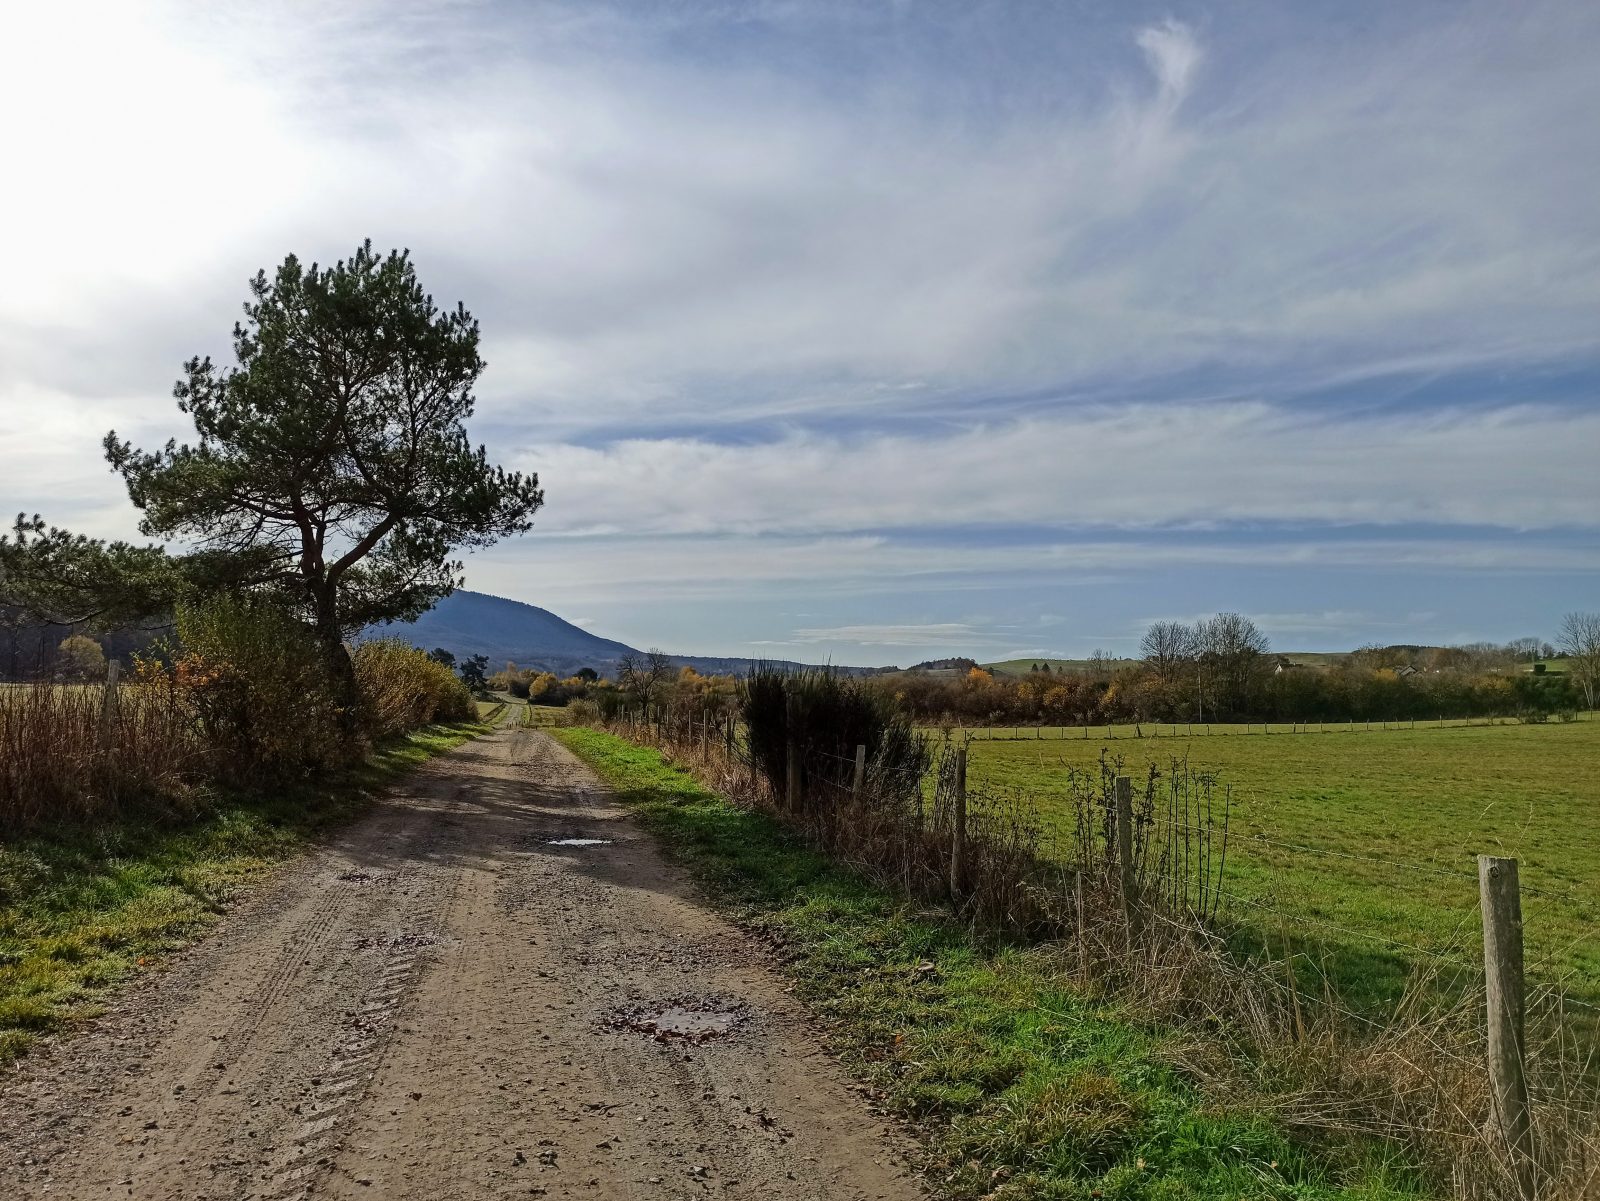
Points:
x=361, y=877
x=578, y=842
x=398, y=942
x=688, y=1019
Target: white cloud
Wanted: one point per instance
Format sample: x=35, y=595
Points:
x=726, y=570
x=653, y=236
x=1174, y=54
x=938, y=633
x=1136, y=466
x=745, y=309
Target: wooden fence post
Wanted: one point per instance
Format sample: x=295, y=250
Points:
x=860, y=777
x=108, y=704
x=1501, y=900
x=1123, y=791
x=792, y=781
x=958, y=842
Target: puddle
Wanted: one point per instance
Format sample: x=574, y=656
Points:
x=358, y=877
x=403, y=942
x=578, y=842
x=683, y=1019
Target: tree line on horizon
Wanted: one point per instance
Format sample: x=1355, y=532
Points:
x=1222, y=669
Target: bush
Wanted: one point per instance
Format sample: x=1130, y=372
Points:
x=828, y=715
x=403, y=688
x=259, y=690
x=245, y=700
x=80, y=658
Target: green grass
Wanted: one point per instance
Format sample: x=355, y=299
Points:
x=1434, y=798
x=83, y=910
x=1024, y=1089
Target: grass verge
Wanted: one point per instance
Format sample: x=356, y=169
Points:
x=82, y=910
x=1025, y=1089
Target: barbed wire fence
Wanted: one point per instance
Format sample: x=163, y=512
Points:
x=1130, y=880
x=1146, y=731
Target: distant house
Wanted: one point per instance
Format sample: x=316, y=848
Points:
x=1284, y=665
x=1405, y=671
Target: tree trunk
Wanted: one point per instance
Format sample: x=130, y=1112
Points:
x=341, y=676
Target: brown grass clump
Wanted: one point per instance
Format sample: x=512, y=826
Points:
x=66, y=755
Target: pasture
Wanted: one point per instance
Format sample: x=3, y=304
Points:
x=1362, y=844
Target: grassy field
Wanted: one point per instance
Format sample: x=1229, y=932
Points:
x=1021, y=667
x=1367, y=839
x=1023, y=1088
x=83, y=909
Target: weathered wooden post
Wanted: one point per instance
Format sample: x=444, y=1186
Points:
x=1501, y=900
x=108, y=704
x=958, y=842
x=859, y=780
x=792, y=780
x=1123, y=793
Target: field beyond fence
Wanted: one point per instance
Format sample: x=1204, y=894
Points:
x=1367, y=847
x=1302, y=891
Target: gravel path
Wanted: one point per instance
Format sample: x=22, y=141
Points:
x=444, y=1002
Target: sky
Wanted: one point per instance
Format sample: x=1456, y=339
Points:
x=869, y=332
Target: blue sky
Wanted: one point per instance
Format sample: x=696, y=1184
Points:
x=875, y=331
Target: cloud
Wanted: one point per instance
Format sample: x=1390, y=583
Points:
x=724, y=571
x=1173, y=53
x=1138, y=466
x=656, y=235
x=840, y=299
x=947, y=633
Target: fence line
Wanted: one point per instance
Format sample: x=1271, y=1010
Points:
x=1152, y=860
x=1135, y=730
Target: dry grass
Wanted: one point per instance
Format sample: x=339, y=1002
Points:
x=64, y=757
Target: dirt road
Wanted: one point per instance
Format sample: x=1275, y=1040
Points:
x=447, y=1002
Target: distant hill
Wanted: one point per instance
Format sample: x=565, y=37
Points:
x=474, y=623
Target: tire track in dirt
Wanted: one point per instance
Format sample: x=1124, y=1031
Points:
x=424, y=1008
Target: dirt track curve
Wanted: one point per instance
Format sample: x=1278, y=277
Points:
x=439, y=1003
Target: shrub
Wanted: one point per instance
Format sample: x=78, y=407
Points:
x=259, y=690
x=80, y=658
x=243, y=699
x=828, y=715
x=403, y=688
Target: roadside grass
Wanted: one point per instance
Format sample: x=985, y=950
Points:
x=1025, y=1089
x=83, y=910
x=1364, y=840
